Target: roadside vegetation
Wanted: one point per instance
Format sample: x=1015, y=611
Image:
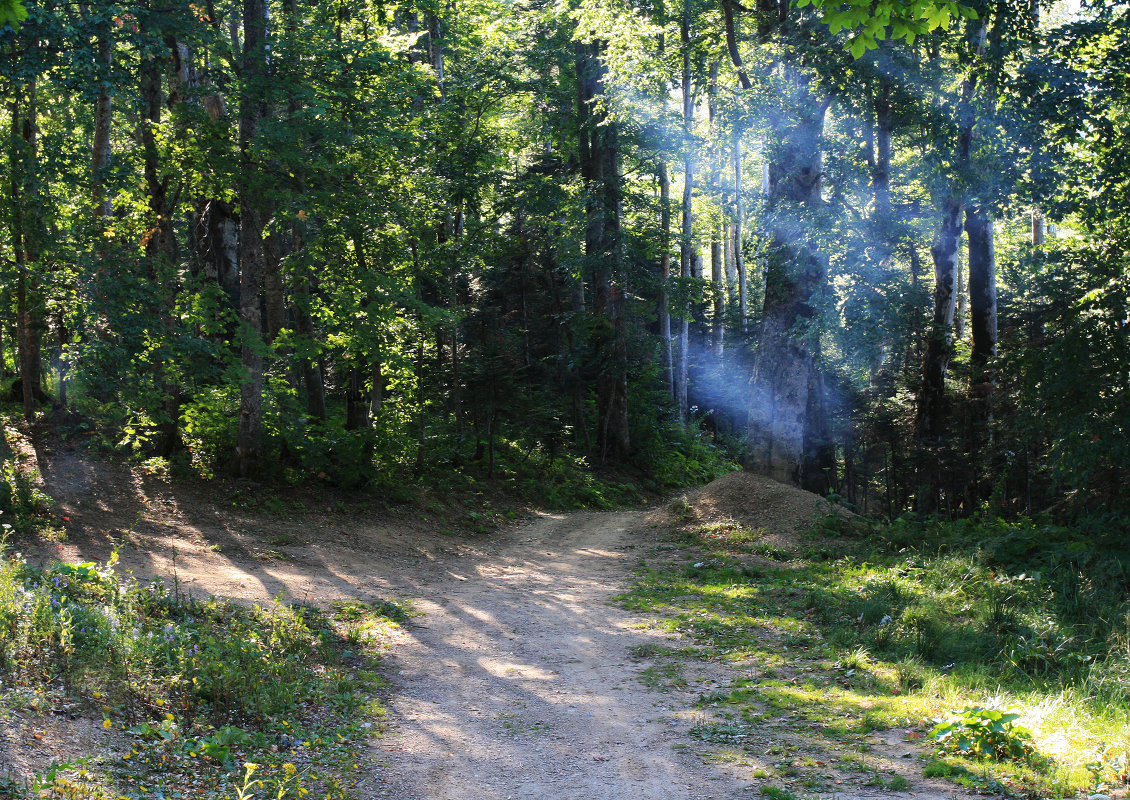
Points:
x=998, y=650
x=189, y=698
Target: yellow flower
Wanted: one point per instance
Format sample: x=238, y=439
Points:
x=169, y=717
x=107, y=724
x=159, y=701
x=97, y=695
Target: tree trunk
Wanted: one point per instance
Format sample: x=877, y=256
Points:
x=665, y=276
x=253, y=221
x=739, y=263
x=686, y=253
x=26, y=232
x=600, y=166
x=983, y=319
x=787, y=429
x=357, y=405
x=931, y=418
x=160, y=250
x=881, y=176
x=100, y=160
x=718, y=230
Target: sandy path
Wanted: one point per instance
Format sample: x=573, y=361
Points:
x=516, y=683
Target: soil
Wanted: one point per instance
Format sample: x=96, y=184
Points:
x=514, y=679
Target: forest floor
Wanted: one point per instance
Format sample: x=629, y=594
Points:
x=519, y=675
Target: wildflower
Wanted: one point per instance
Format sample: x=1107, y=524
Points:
x=107, y=724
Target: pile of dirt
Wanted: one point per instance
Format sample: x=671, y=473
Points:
x=752, y=501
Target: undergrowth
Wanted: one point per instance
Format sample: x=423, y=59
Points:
x=196, y=698
x=866, y=627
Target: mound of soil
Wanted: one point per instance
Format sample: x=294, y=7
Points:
x=753, y=501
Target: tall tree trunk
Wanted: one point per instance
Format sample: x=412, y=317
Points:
x=160, y=249
x=253, y=221
x=732, y=42
x=983, y=318
x=930, y=424
x=309, y=363
x=100, y=155
x=27, y=234
x=686, y=245
x=600, y=165
x=718, y=230
x=881, y=175
x=665, y=275
x=786, y=434
x=739, y=261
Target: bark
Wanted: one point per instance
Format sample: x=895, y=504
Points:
x=1039, y=228
x=253, y=221
x=787, y=433
x=931, y=418
x=100, y=160
x=686, y=252
x=983, y=316
x=274, y=292
x=214, y=240
x=665, y=276
x=160, y=250
x=26, y=233
x=729, y=276
x=601, y=169
x=881, y=176
x=739, y=263
x=356, y=403
x=732, y=42
x=718, y=231
x=309, y=365
x=213, y=233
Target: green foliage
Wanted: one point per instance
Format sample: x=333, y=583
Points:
x=22, y=501
x=909, y=620
x=12, y=12
x=978, y=732
x=198, y=686
x=876, y=20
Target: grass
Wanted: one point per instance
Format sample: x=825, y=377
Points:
x=198, y=698
x=897, y=626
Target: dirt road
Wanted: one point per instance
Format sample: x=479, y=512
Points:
x=516, y=681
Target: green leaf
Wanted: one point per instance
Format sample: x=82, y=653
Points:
x=12, y=12
x=858, y=47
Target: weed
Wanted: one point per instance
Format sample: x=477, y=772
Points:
x=979, y=732
x=663, y=677
x=197, y=687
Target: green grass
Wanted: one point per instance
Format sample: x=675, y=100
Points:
x=191, y=690
x=895, y=626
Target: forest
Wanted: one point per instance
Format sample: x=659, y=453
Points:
x=319, y=314
x=875, y=250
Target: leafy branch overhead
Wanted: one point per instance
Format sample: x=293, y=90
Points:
x=12, y=12
x=872, y=21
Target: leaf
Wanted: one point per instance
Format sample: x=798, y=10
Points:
x=858, y=47
x=12, y=12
